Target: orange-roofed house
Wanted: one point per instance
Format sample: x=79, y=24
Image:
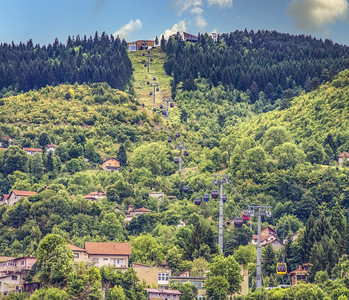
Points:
x=163, y=294
x=109, y=254
x=300, y=274
x=15, y=195
x=32, y=151
x=140, y=211
x=111, y=164
x=343, y=157
x=96, y=195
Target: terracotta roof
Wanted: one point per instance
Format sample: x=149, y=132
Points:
x=344, y=154
x=74, y=248
x=168, y=292
x=23, y=193
x=5, y=196
x=5, y=258
x=95, y=194
x=51, y=146
x=108, y=248
x=112, y=158
x=142, y=209
x=33, y=149
x=272, y=241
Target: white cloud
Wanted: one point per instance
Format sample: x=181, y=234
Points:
x=197, y=11
x=184, y=5
x=316, y=14
x=181, y=26
x=200, y=21
x=221, y=3
x=125, y=30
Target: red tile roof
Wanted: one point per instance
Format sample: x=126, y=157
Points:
x=108, y=248
x=142, y=209
x=74, y=248
x=344, y=154
x=51, y=146
x=33, y=149
x=23, y=193
x=167, y=292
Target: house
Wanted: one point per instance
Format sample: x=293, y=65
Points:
x=300, y=274
x=187, y=37
x=32, y=151
x=109, y=254
x=181, y=224
x=13, y=273
x=140, y=211
x=158, y=196
x=117, y=209
x=153, y=275
x=163, y=294
x=13, y=265
x=214, y=36
x=96, y=195
x=51, y=148
x=268, y=236
x=15, y=195
x=274, y=242
x=3, y=199
x=111, y=164
x=342, y=158
x=80, y=255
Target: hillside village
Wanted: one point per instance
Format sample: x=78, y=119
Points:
x=178, y=184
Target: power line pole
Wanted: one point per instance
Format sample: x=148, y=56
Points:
x=180, y=147
x=221, y=179
x=259, y=211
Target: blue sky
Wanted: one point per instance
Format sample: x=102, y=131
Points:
x=44, y=20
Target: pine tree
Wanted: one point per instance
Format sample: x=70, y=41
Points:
x=122, y=156
x=339, y=224
x=308, y=238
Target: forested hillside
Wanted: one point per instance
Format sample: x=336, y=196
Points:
x=280, y=152
x=83, y=60
x=265, y=61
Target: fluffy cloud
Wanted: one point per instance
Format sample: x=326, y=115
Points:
x=181, y=26
x=315, y=14
x=221, y=3
x=125, y=30
x=184, y=5
x=200, y=21
x=197, y=11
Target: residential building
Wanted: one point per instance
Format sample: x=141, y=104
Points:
x=268, y=236
x=140, y=211
x=153, y=275
x=111, y=164
x=343, y=157
x=32, y=151
x=96, y=195
x=109, y=254
x=15, y=195
x=51, y=148
x=80, y=255
x=158, y=196
x=3, y=199
x=163, y=294
x=300, y=274
x=187, y=37
x=20, y=264
x=13, y=272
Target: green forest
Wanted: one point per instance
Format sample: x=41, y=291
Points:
x=244, y=106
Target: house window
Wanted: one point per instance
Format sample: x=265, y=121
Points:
x=105, y=258
x=118, y=261
x=14, y=277
x=162, y=276
x=22, y=262
x=95, y=260
x=76, y=255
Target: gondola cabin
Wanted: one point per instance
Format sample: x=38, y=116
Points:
x=246, y=215
x=224, y=198
x=197, y=201
x=281, y=269
x=214, y=194
x=185, y=189
x=238, y=222
x=176, y=160
x=206, y=197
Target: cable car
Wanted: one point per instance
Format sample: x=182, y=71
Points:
x=145, y=65
x=164, y=112
x=238, y=222
x=151, y=93
x=154, y=109
x=245, y=215
x=176, y=160
x=224, y=197
x=171, y=104
x=178, y=134
x=186, y=153
x=281, y=269
x=206, y=197
x=185, y=189
x=148, y=82
x=228, y=223
x=161, y=106
x=169, y=140
x=214, y=194
x=157, y=89
x=154, y=78
x=197, y=201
